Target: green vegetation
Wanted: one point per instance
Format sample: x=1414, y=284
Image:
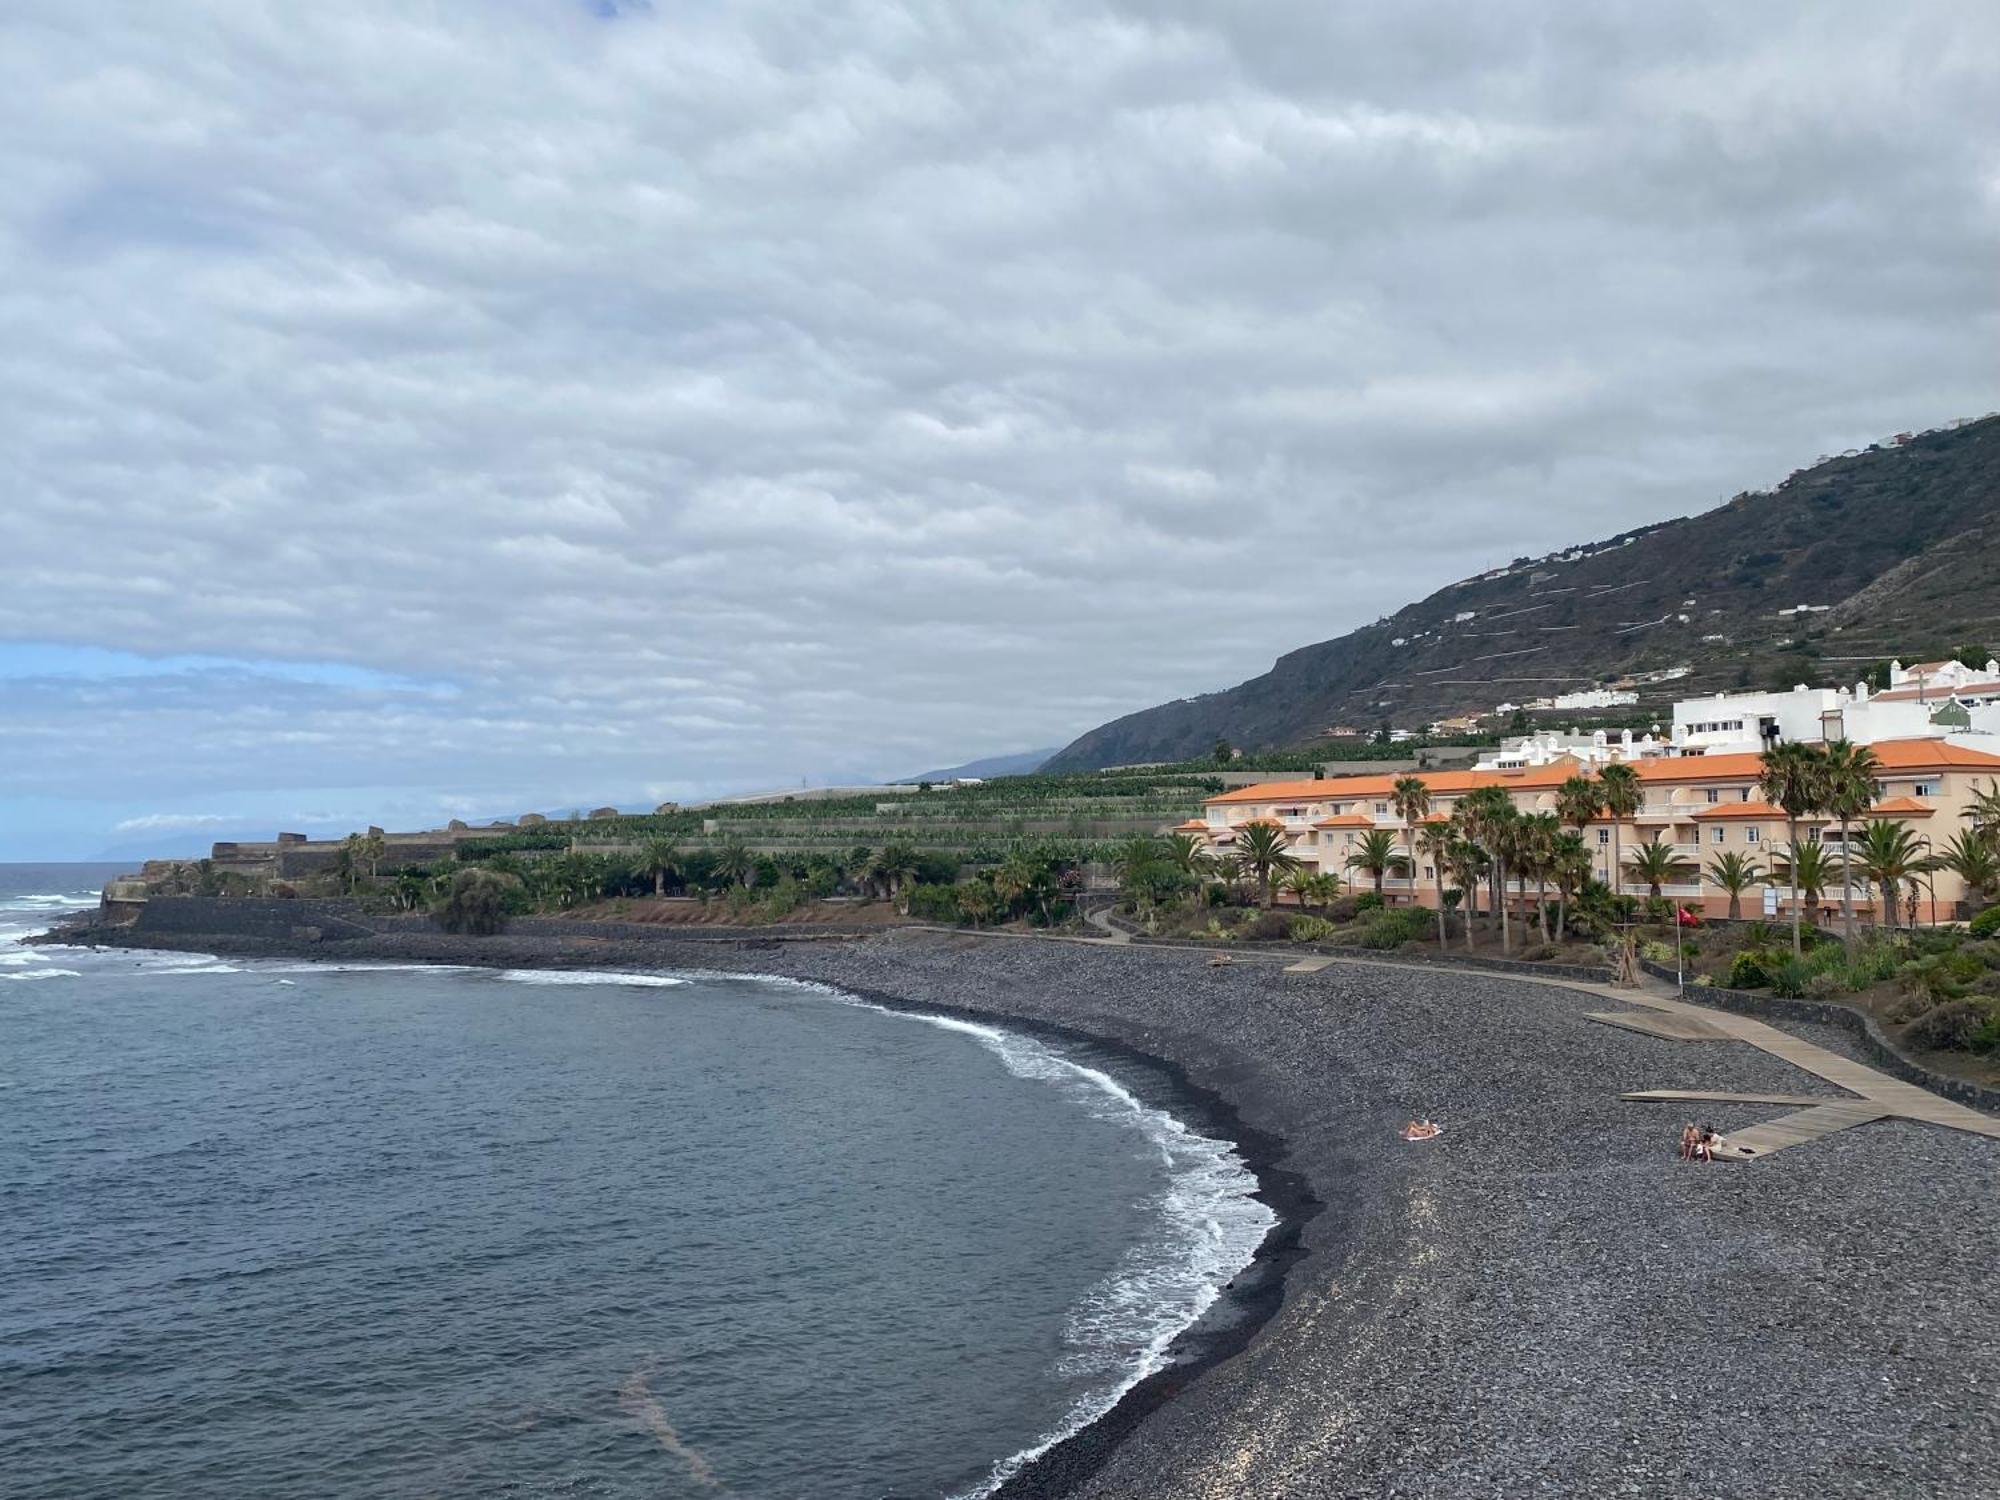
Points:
x=477, y=903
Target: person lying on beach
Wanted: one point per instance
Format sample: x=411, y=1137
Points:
x=1422, y=1130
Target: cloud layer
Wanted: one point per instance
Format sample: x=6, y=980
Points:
x=601, y=401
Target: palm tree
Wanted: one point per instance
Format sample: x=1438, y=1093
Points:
x=1850, y=791
x=1569, y=867
x=1375, y=852
x=373, y=847
x=734, y=863
x=1435, y=843
x=1229, y=870
x=1138, y=853
x=1619, y=794
x=857, y=867
x=1507, y=841
x=1794, y=777
x=1303, y=885
x=1808, y=870
x=1262, y=848
x=1985, y=810
x=1578, y=801
x=1735, y=873
x=1975, y=861
x=347, y=861
x=1468, y=863
x=1539, y=832
x=1890, y=857
x=1015, y=881
x=977, y=902
x=1411, y=798
x=1483, y=813
x=1190, y=856
x=1657, y=863
x=896, y=864
x=661, y=857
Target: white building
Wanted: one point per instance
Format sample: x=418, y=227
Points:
x=1547, y=746
x=1589, y=698
x=1933, y=700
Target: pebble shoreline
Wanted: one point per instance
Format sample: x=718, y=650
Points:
x=1542, y=1302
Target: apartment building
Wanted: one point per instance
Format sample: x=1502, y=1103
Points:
x=1703, y=805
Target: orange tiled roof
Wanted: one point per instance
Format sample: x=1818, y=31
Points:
x=1936, y=693
x=1902, y=807
x=1347, y=820
x=1192, y=825
x=1891, y=755
x=1742, y=810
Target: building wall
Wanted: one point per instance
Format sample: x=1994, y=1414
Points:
x=1703, y=809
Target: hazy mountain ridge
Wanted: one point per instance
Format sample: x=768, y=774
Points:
x=1896, y=550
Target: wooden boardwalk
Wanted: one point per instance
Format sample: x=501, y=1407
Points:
x=1877, y=1096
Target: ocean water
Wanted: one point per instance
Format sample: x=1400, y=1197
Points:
x=276, y=1229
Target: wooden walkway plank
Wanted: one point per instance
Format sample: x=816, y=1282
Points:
x=1798, y=1128
x=1673, y=1028
x=1712, y=1096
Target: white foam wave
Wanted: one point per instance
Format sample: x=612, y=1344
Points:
x=195, y=969
x=26, y=974
x=382, y=968
x=588, y=976
x=1209, y=1226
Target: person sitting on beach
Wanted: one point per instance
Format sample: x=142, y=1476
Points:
x=1421, y=1130
x=1704, y=1145
x=1689, y=1136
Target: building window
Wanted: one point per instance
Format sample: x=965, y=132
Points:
x=1926, y=789
x=1603, y=838
x=1714, y=795
x=1381, y=808
x=1751, y=835
x=1715, y=835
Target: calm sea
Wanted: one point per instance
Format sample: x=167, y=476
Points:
x=274, y=1229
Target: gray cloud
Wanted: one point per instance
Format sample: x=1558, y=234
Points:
x=715, y=396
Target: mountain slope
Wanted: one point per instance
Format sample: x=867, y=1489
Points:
x=1896, y=549
x=993, y=765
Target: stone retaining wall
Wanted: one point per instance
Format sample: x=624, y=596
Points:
x=1831, y=1013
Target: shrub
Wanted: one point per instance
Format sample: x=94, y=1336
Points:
x=1790, y=978
x=1955, y=1026
x=476, y=904
x=1659, y=953
x=1368, y=901
x=1540, y=953
x=1311, y=929
x=1271, y=927
x=1986, y=924
x=1907, y=1008
x=934, y=903
x=1826, y=984
x=1933, y=978
x=1392, y=929
x=1748, y=971
x=1872, y=965
x=1343, y=910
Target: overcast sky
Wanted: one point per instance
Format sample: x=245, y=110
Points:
x=470, y=406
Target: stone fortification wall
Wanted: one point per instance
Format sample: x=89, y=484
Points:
x=240, y=916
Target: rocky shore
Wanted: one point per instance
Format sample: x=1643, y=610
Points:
x=1541, y=1302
